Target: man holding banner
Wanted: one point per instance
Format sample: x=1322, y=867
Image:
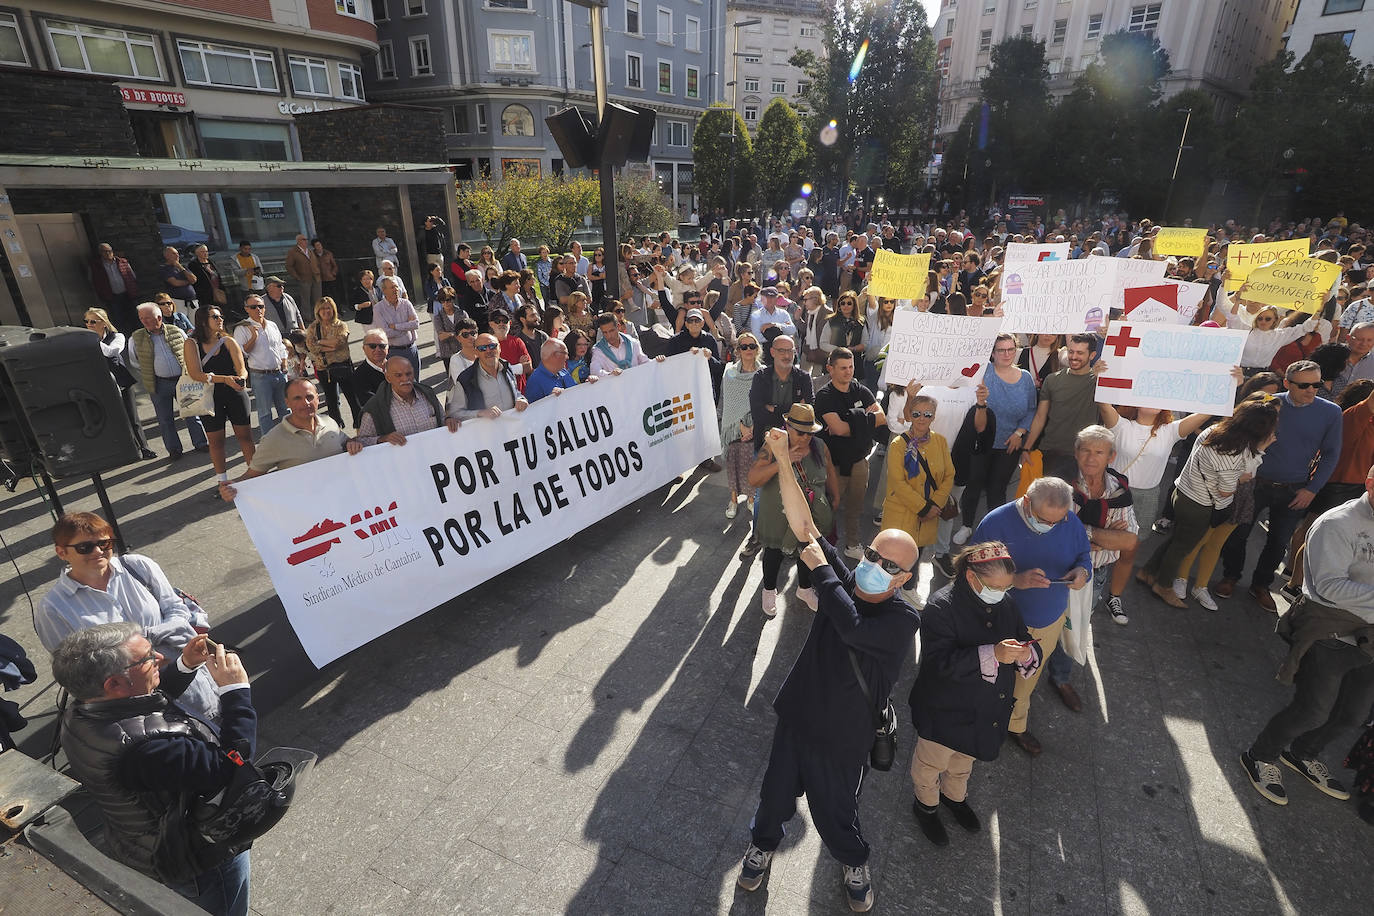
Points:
x=402, y=407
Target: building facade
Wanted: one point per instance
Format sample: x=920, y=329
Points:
x=498, y=68
x=1351, y=22
x=1214, y=46
x=760, y=52
x=220, y=79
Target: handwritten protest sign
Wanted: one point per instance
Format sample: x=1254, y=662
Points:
x=899, y=276
x=1019, y=253
x=1183, y=369
x=1242, y=259
x=1303, y=285
x=1065, y=297
x=1184, y=243
x=939, y=349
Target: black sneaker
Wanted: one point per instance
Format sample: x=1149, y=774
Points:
x=928, y=819
x=1265, y=777
x=858, y=887
x=750, y=548
x=754, y=867
x=963, y=815
x=1317, y=774
x=945, y=565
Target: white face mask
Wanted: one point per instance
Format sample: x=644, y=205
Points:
x=989, y=595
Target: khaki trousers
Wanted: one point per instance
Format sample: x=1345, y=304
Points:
x=853, y=491
x=1025, y=686
x=938, y=770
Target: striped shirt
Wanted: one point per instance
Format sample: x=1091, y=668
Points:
x=409, y=417
x=1210, y=478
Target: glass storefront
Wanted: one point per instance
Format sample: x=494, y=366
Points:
x=260, y=217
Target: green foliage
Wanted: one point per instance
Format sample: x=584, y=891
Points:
x=640, y=207
x=528, y=208
x=711, y=155
x=779, y=154
x=1016, y=91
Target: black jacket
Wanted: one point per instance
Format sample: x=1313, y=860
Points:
x=950, y=702
x=970, y=442
x=761, y=396
x=821, y=698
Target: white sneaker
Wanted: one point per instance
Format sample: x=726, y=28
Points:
x=770, y=602
x=1181, y=589
x=854, y=552
x=1204, y=598
x=962, y=535
x=807, y=596
x=731, y=509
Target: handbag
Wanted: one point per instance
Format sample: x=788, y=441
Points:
x=1033, y=469
x=951, y=510
x=884, y=750
x=256, y=799
x=194, y=399
x=363, y=314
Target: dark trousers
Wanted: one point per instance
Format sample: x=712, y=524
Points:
x=126, y=397
x=1334, y=687
x=832, y=786
x=772, y=566
x=222, y=890
x=990, y=475
x=1283, y=521
x=331, y=380
x=1060, y=464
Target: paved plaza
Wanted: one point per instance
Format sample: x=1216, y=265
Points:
x=587, y=734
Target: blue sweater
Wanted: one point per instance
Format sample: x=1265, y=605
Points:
x=1056, y=552
x=542, y=382
x=1012, y=405
x=1302, y=433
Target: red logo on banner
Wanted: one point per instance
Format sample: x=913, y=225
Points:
x=370, y=522
x=1136, y=296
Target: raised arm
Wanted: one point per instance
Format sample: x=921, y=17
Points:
x=793, y=501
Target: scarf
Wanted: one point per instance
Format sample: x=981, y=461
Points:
x=606, y=351
x=915, y=462
x=1094, y=512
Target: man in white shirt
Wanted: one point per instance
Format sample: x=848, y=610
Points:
x=583, y=265
x=614, y=350
x=384, y=248
x=265, y=352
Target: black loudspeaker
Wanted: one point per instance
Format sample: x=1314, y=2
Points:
x=625, y=134
x=59, y=404
x=575, y=137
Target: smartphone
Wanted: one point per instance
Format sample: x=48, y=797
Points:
x=211, y=645
x=1029, y=642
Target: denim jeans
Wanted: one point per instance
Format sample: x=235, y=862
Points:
x=164, y=404
x=269, y=390
x=1283, y=521
x=222, y=890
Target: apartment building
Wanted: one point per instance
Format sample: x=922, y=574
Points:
x=759, y=52
x=1351, y=22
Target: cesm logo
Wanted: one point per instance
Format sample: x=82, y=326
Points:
x=671, y=412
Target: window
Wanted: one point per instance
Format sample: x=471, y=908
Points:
x=419, y=56
x=756, y=28
x=634, y=71
x=693, y=42
x=803, y=87
x=386, y=61
x=1026, y=31
x=379, y=11
x=665, y=77
x=751, y=58
x=779, y=87
x=632, y=17
x=1342, y=6
x=665, y=26
x=1061, y=29
x=482, y=119
x=207, y=64
x=809, y=31
x=677, y=133
x=989, y=6
x=949, y=27
x=1094, y=27
x=511, y=51
x=351, y=82
x=780, y=56
x=415, y=8
x=11, y=43
x=1344, y=38
x=355, y=8
x=508, y=4
x=751, y=84
x=1144, y=18
x=1032, y=4
x=112, y=52
x=460, y=120
x=516, y=121
x=782, y=27
x=985, y=40
x=309, y=75
x=693, y=83
x=751, y=113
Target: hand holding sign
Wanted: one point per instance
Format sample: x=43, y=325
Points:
x=939, y=349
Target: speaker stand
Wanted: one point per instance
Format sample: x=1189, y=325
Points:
x=109, y=512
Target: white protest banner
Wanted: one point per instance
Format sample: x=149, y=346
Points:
x=1019, y=253
x=899, y=276
x=399, y=530
x=1152, y=304
x=1183, y=369
x=939, y=349
x=1066, y=297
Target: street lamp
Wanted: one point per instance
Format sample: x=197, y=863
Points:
x=1169, y=198
x=734, y=101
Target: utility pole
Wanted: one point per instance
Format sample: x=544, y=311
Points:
x=734, y=106
x=1183, y=138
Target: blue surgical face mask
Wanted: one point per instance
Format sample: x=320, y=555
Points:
x=1033, y=523
x=871, y=579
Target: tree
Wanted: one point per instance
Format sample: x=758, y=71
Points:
x=640, y=207
x=528, y=208
x=568, y=202
x=1196, y=165
x=779, y=153
x=1017, y=95
x=712, y=154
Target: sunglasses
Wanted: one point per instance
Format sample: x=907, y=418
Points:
x=375, y=346
x=888, y=566
x=928, y=414
x=1305, y=385
x=93, y=321
x=216, y=316
x=467, y=333
x=501, y=321
x=85, y=547
x=485, y=348
x=695, y=321
x=748, y=346
x=256, y=308
x=618, y=311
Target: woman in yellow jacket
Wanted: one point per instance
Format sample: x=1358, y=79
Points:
x=920, y=474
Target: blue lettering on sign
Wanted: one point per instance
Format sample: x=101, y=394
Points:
x=1201, y=348
x=1184, y=386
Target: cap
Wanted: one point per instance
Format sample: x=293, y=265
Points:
x=770, y=290
x=695, y=313
x=276, y=280
x=802, y=418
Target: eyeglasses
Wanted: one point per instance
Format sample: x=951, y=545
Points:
x=94, y=321
x=888, y=566
x=1304, y=385
x=467, y=333
x=375, y=346
x=150, y=657
x=695, y=321
x=928, y=414
x=485, y=348
x=748, y=346
x=1004, y=350
x=85, y=547
x=618, y=311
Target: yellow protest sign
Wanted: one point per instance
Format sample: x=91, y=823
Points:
x=1241, y=259
x=899, y=276
x=1303, y=285
x=1184, y=243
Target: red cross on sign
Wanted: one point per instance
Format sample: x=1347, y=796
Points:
x=1123, y=340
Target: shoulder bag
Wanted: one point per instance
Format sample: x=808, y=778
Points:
x=884, y=750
